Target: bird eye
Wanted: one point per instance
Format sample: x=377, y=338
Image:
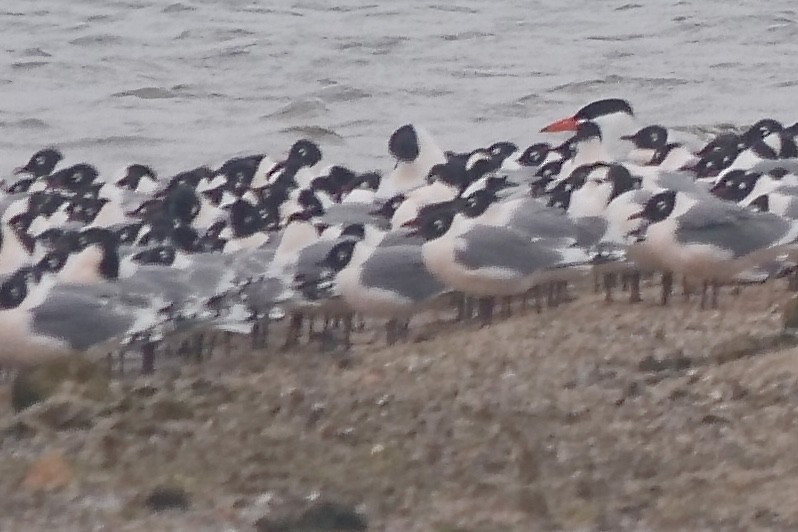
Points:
x=438, y=224
x=301, y=151
x=164, y=255
x=40, y=160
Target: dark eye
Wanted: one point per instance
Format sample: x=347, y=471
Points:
x=53, y=263
x=438, y=224
x=301, y=151
x=40, y=160
x=164, y=255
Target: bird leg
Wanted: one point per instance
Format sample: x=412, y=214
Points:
x=687, y=290
x=667, y=287
x=255, y=335
x=486, y=310
x=537, y=293
x=634, y=287
x=610, y=282
x=148, y=358
x=348, y=331
x=294, y=331
x=199, y=344
x=507, y=306
x=391, y=331
x=403, y=329
x=715, y=290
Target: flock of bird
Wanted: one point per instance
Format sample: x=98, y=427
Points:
x=96, y=264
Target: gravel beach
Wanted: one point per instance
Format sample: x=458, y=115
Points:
x=584, y=417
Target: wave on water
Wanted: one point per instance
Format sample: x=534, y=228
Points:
x=302, y=108
x=318, y=133
x=112, y=140
x=26, y=123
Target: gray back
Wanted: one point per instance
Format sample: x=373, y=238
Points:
x=729, y=226
x=400, y=269
x=497, y=247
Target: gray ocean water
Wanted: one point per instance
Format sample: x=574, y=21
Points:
x=181, y=84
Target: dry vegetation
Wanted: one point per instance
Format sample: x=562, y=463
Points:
x=585, y=417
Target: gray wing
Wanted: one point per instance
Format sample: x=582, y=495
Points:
x=6, y=201
x=346, y=213
x=80, y=320
x=791, y=165
x=308, y=260
x=681, y=182
x=729, y=226
x=263, y=294
x=590, y=230
x=253, y=262
x=792, y=209
x=497, y=247
x=152, y=280
x=539, y=221
x=401, y=237
x=400, y=269
x=117, y=290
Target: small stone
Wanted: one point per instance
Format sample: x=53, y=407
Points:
x=740, y=346
x=62, y=412
x=325, y=515
x=167, y=498
x=789, y=314
x=36, y=384
x=675, y=362
x=171, y=410
x=712, y=419
x=377, y=449
x=50, y=472
x=145, y=390
x=321, y=516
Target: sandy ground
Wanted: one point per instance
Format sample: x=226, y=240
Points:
x=589, y=416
